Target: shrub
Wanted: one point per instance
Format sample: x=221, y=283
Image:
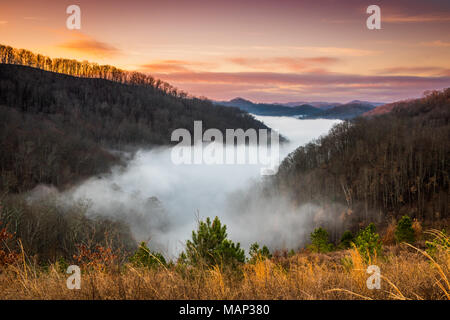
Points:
x=6, y=256
x=404, y=231
x=209, y=246
x=100, y=259
x=320, y=241
x=368, y=242
x=143, y=257
x=257, y=253
x=49, y=228
x=346, y=240
x=439, y=242
x=61, y=265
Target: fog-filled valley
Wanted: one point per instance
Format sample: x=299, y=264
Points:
x=161, y=201
x=159, y=150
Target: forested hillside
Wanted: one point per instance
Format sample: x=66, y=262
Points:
x=54, y=128
x=389, y=165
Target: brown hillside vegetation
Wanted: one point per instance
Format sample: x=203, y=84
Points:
x=406, y=273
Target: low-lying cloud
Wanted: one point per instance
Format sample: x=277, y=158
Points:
x=162, y=202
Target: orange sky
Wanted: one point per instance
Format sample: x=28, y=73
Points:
x=266, y=51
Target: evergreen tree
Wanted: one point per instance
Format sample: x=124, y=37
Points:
x=209, y=246
x=404, y=231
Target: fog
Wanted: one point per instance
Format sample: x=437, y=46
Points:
x=162, y=202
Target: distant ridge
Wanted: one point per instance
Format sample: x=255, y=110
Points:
x=315, y=110
x=265, y=109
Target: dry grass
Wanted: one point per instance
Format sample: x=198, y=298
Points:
x=389, y=235
x=407, y=273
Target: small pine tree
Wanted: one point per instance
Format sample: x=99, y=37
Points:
x=346, y=240
x=320, y=241
x=404, y=231
x=143, y=257
x=368, y=242
x=210, y=246
x=257, y=253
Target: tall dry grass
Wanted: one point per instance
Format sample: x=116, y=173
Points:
x=407, y=272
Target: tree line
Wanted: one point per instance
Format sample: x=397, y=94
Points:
x=10, y=55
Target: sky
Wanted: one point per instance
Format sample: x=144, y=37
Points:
x=262, y=50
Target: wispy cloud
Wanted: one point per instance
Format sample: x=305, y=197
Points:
x=85, y=44
x=350, y=52
x=281, y=64
x=266, y=86
x=170, y=66
x=32, y=18
x=307, y=79
x=429, y=70
x=419, y=18
x=437, y=43
x=286, y=63
x=2, y=22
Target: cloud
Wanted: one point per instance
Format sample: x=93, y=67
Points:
x=260, y=64
x=169, y=66
x=35, y=18
x=437, y=43
x=419, y=18
x=85, y=44
x=430, y=70
x=2, y=22
x=269, y=87
x=306, y=79
x=287, y=63
x=350, y=52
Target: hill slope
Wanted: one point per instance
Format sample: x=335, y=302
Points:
x=54, y=128
x=386, y=108
x=346, y=111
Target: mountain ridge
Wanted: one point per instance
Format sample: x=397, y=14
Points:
x=321, y=110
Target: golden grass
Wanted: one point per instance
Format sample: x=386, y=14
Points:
x=407, y=272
